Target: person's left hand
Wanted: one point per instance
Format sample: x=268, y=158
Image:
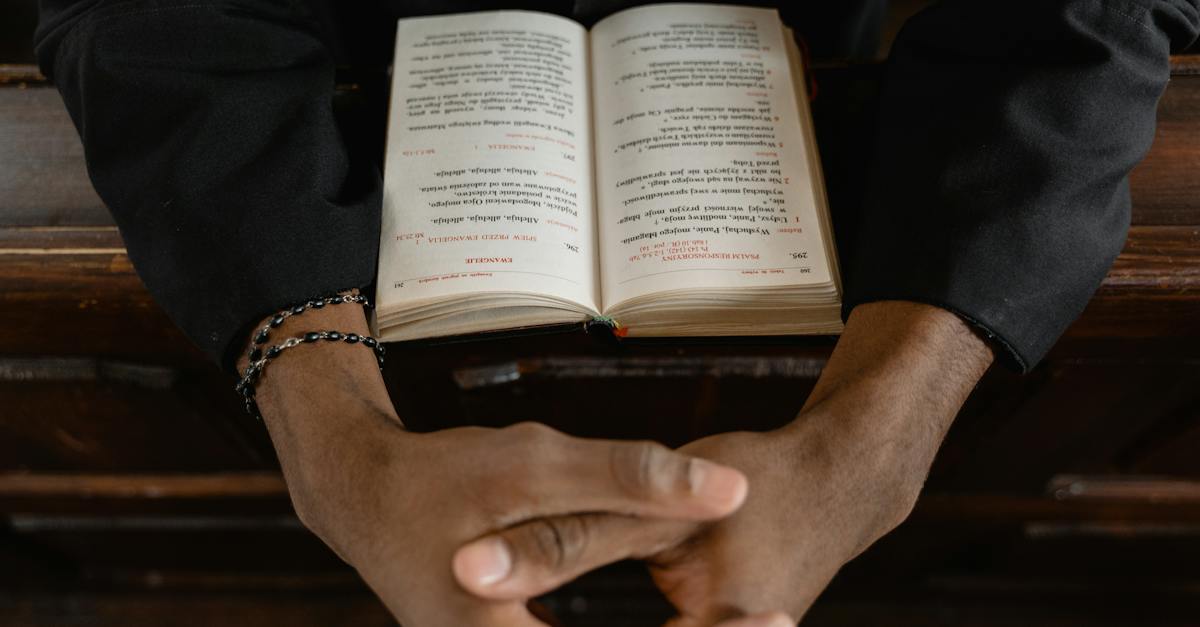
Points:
x=846, y=471
x=815, y=501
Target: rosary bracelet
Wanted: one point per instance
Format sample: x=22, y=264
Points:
x=261, y=336
x=246, y=386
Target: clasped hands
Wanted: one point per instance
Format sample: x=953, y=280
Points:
x=461, y=527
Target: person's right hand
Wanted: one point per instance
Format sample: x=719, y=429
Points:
x=397, y=505
x=400, y=513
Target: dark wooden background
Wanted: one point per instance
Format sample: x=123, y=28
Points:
x=134, y=492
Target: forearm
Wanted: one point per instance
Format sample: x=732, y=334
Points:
x=330, y=419
x=891, y=389
x=903, y=355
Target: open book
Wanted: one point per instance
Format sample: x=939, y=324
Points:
x=658, y=173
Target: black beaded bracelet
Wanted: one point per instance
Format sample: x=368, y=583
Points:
x=261, y=336
x=254, y=371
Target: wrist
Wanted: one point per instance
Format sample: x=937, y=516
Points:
x=332, y=461
x=332, y=423
x=887, y=396
x=322, y=374
x=903, y=359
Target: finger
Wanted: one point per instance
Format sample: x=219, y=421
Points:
x=766, y=619
x=538, y=556
x=569, y=474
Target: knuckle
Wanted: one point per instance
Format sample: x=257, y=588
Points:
x=521, y=451
x=575, y=535
x=537, y=442
x=645, y=468
x=555, y=544
x=533, y=437
x=530, y=430
x=547, y=544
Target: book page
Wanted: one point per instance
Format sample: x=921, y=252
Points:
x=701, y=169
x=488, y=175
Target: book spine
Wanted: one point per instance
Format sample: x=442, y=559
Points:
x=605, y=324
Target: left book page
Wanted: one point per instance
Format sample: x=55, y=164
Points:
x=488, y=208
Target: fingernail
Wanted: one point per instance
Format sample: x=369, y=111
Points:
x=487, y=561
x=715, y=483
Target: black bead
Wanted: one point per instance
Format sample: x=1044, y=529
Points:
x=336, y=300
x=276, y=321
x=256, y=354
x=352, y=337
x=379, y=349
x=298, y=309
x=312, y=336
x=317, y=304
x=370, y=341
x=247, y=391
x=261, y=337
x=333, y=336
x=273, y=352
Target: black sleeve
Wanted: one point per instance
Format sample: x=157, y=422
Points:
x=1007, y=130
x=208, y=131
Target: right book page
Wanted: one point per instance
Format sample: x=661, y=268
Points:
x=704, y=172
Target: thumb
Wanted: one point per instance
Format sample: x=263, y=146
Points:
x=766, y=619
x=571, y=474
x=537, y=556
